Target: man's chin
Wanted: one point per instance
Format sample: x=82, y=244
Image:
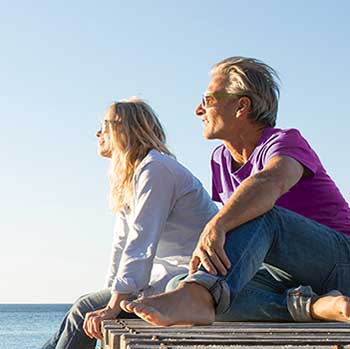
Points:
x=207, y=135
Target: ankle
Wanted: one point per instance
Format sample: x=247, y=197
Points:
x=333, y=306
x=312, y=307
x=197, y=291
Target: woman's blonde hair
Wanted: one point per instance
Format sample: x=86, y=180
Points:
x=134, y=131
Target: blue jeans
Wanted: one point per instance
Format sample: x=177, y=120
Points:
x=71, y=334
x=280, y=260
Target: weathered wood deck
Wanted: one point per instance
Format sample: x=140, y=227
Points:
x=137, y=334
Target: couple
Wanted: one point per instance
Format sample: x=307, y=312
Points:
x=277, y=250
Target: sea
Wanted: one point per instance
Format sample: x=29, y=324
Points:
x=29, y=326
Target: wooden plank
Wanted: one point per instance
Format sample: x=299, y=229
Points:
x=155, y=346
x=127, y=341
x=213, y=335
x=230, y=331
x=227, y=330
x=141, y=325
x=328, y=337
x=177, y=339
x=135, y=333
x=245, y=324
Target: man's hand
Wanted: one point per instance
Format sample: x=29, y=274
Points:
x=210, y=251
x=92, y=322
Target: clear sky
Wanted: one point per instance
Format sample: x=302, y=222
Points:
x=63, y=62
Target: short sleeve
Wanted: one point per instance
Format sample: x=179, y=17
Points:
x=216, y=185
x=291, y=143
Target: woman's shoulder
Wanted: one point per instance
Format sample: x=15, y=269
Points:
x=157, y=159
x=156, y=155
x=161, y=163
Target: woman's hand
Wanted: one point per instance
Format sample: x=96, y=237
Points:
x=210, y=251
x=92, y=322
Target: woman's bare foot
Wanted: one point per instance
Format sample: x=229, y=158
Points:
x=333, y=306
x=189, y=304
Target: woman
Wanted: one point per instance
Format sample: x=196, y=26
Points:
x=161, y=209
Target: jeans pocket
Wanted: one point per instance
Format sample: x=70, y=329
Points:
x=338, y=279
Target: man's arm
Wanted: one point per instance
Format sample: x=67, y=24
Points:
x=255, y=196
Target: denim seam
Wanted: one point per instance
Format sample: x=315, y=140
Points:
x=72, y=336
x=274, y=239
x=76, y=329
x=249, y=291
x=231, y=272
x=241, y=257
x=327, y=278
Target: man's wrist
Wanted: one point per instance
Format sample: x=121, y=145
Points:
x=219, y=224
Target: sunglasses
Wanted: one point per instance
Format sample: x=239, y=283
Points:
x=104, y=124
x=211, y=96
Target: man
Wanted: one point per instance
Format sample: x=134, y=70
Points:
x=278, y=249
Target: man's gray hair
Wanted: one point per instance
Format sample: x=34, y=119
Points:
x=256, y=80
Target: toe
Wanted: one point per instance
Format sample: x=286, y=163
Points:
x=148, y=314
x=125, y=305
x=140, y=308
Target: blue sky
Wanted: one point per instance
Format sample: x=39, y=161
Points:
x=63, y=62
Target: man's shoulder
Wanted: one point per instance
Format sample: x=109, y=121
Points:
x=274, y=131
x=288, y=135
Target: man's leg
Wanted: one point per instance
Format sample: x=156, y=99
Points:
x=263, y=298
x=289, y=244
x=284, y=240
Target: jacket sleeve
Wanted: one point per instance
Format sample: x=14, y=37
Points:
x=154, y=187
x=119, y=240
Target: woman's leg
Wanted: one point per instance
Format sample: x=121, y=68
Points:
x=71, y=334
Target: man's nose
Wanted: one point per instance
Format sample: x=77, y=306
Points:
x=199, y=110
x=98, y=134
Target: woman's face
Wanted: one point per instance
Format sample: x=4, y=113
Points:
x=104, y=138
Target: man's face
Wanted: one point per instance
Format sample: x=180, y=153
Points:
x=218, y=114
x=104, y=138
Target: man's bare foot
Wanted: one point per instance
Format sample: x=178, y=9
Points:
x=189, y=304
x=333, y=306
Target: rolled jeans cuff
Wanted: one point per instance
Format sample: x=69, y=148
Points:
x=217, y=287
x=299, y=303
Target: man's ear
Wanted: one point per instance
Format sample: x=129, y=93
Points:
x=244, y=105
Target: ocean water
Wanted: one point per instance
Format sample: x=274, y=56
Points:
x=29, y=326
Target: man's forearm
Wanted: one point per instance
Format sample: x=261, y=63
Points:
x=254, y=197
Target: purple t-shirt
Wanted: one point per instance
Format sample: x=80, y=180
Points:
x=316, y=197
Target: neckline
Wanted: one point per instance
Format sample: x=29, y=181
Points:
x=229, y=158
